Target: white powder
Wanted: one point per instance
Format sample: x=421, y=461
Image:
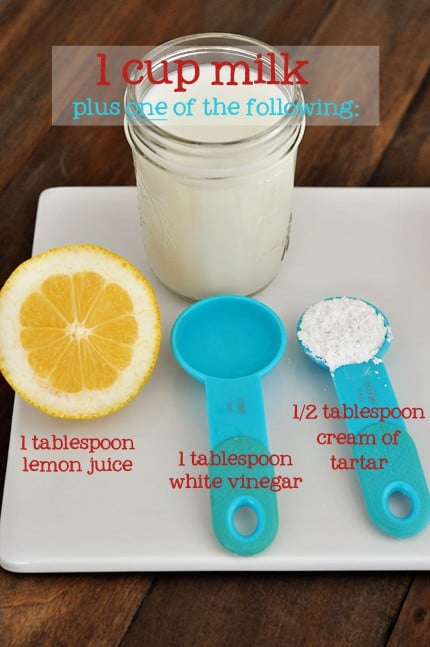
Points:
x=342, y=331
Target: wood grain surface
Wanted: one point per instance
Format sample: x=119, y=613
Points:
x=357, y=609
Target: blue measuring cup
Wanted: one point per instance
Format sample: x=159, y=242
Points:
x=398, y=468
x=229, y=342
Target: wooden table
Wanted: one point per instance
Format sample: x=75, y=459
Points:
x=205, y=609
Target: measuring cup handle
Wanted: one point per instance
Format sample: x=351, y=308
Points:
x=387, y=467
x=385, y=456
x=364, y=385
x=240, y=465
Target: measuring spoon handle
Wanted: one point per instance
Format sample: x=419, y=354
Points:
x=385, y=457
x=241, y=464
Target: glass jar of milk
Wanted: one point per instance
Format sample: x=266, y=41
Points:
x=214, y=151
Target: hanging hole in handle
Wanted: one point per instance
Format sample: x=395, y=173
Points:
x=399, y=504
x=400, y=501
x=245, y=518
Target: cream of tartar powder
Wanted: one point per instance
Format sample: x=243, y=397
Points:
x=342, y=331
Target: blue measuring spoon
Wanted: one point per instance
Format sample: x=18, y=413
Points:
x=387, y=444
x=229, y=343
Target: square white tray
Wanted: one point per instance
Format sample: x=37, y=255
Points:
x=370, y=243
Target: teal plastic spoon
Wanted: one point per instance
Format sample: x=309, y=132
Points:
x=387, y=460
x=229, y=343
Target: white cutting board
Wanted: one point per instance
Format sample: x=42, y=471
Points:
x=369, y=243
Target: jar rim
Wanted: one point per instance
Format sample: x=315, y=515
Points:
x=285, y=123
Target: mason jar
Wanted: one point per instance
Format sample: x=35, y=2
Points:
x=215, y=183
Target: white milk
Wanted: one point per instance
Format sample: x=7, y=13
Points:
x=215, y=215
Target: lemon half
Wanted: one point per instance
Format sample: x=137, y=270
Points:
x=80, y=331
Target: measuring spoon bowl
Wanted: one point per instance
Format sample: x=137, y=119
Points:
x=228, y=337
